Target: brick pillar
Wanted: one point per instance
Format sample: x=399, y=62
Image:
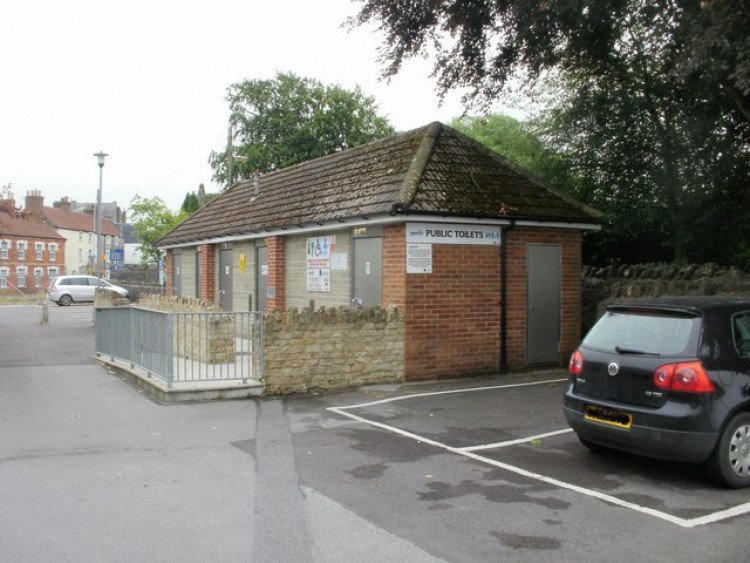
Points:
x=394, y=266
x=207, y=289
x=276, y=273
x=168, y=269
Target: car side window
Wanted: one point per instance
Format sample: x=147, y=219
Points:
x=741, y=333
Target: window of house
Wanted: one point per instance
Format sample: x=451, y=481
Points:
x=22, y=246
x=38, y=273
x=91, y=237
x=4, y=249
x=53, y=272
x=117, y=241
x=39, y=248
x=21, y=276
x=80, y=236
x=109, y=240
x=4, y=272
x=53, y=251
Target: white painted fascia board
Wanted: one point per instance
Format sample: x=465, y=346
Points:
x=382, y=220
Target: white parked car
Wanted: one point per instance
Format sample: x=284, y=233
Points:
x=64, y=290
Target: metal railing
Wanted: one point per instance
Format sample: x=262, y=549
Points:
x=183, y=347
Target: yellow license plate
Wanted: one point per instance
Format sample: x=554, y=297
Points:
x=611, y=417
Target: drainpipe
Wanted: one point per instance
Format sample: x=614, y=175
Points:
x=503, y=296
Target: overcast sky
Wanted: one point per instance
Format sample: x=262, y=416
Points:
x=146, y=80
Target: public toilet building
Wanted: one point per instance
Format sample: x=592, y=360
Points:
x=482, y=259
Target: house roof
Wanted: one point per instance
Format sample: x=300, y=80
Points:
x=70, y=220
x=24, y=225
x=433, y=170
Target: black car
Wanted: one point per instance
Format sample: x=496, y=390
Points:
x=668, y=379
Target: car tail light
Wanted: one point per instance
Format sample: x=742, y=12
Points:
x=575, y=367
x=689, y=376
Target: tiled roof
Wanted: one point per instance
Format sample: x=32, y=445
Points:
x=72, y=221
x=432, y=170
x=22, y=225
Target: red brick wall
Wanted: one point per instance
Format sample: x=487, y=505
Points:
x=13, y=261
x=394, y=266
x=277, y=272
x=570, y=242
x=452, y=316
x=168, y=269
x=207, y=289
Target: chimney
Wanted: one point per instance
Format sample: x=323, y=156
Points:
x=35, y=203
x=63, y=204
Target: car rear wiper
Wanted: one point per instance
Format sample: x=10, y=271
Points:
x=621, y=350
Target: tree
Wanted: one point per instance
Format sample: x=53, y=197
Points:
x=485, y=44
x=651, y=156
x=191, y=203
x=152, y=220
x=288, y=120
x=518, y=143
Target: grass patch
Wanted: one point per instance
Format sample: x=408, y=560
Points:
x=18, y=299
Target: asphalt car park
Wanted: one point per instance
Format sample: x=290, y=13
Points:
x=519, y=428
x=470, y=470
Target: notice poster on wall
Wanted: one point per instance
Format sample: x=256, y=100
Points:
x=319, y=279
x=418, y=258
x=319, y=251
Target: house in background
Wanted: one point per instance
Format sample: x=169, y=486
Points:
x=31, y=251
x=482, y=258
x=79, y=230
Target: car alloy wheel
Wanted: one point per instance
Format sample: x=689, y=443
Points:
x=739, y=451
x=729, y=464
x=65, y=300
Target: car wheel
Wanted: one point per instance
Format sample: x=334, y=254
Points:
x=729, y=464
x=65, y=300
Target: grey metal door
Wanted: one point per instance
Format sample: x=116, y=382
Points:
x=368, y=271
x=543, y=303
x=177, y=274
x=225, y=279
x=262, y=279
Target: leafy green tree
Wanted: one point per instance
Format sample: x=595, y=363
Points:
x=651, y=156
x=152, y=219
x=487, y=45
x=287, y=120
x=518, y=143
x=191, y=203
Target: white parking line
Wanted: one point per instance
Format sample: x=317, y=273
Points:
x=515, y=442
x=469, y=453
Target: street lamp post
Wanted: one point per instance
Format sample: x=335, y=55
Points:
x=100, y=156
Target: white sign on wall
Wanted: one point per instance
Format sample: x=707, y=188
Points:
x=418, y=258
x=319, y=279
x=449, y=233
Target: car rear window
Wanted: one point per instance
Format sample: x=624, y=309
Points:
x=665, y=333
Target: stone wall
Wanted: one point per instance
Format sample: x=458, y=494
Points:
x=205, y=338
x=604, y=286
x=332, y=349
